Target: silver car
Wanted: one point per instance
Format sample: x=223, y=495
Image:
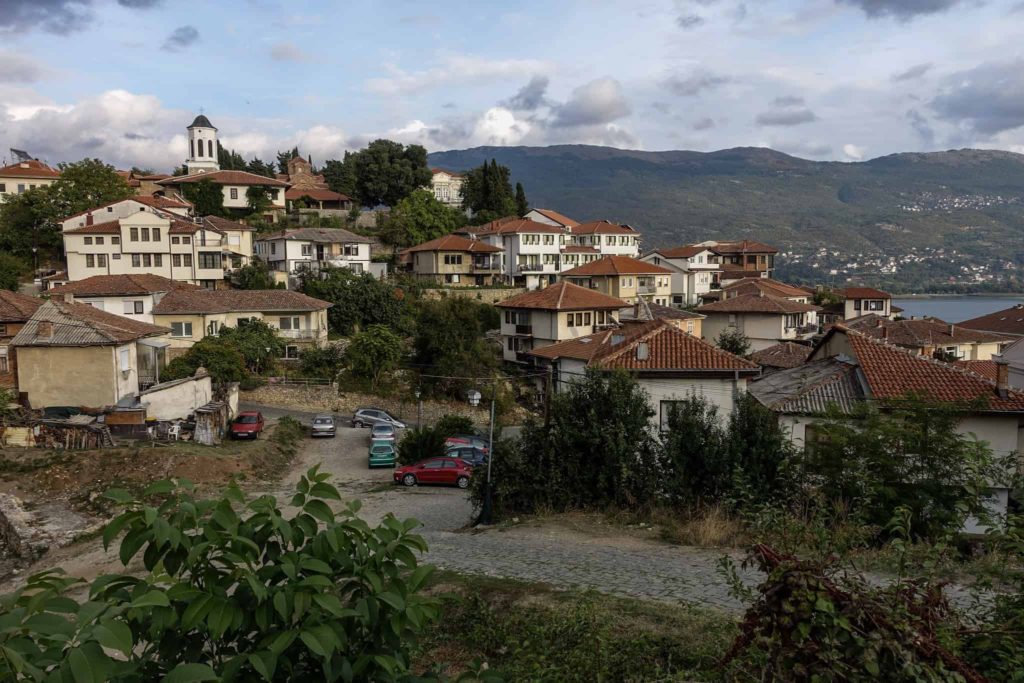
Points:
x=323, y=425
x=382, y=432
x=367, y=417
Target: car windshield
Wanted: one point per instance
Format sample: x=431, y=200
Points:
x=322, y=421
x=384, y=429
x=381, y=450
x=246, y=420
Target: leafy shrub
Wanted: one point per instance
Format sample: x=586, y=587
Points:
x=449, y=425
x=322, y=361
x=232, y=591
x=374, y=353
x=420, y=443
x=732, y=340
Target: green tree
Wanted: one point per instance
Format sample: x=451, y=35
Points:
x=207, y=197
x=229, y=159
x=522, y=205
x=449, y=340
x=257, y=341
x=695, y=448
x=87, y=184
x=12, y=270
x=322, y=361
x=419, y=218
x=487, y=192
x=229, y=590
x=284, y=157
x=597, y=450
x=759, y=452
x=254, y=275
x=386, y=172
x=258, y=198
x=359, y=299
x=340, y=176
x=373, y=353
x=260, y=167
x=731, y=339
x=419, y=443
x=221, y=359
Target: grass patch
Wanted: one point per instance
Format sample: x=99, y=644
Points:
x=533, y=632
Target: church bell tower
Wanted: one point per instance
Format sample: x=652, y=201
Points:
x=202, y=146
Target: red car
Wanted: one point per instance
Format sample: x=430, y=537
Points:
x=447, y=471
x=247, y=425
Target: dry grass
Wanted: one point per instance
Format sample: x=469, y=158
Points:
x=706, y=527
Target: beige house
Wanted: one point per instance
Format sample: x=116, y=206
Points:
x=191, y=315
x=625, y=278
x=168, y=207
x=147, y=242
x=131, y=296
x=24, y=176
x=563, y=311
x=764, y=320
x=933, y=337
x=72, y=354
x=292, y=251
x=235, y=186
x=455, y=260
x=15, y=310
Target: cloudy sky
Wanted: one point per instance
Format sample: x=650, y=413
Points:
x=821, y=79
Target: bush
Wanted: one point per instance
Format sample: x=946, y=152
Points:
x=449, y=425
x=322, y=361
x=420, y=443
x=450, y=341
x=231, y=591
x=732, y=340
x=374, y=353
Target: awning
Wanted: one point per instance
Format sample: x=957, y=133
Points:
x=155, y=343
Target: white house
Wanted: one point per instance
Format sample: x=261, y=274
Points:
x=168, y=207
x=131, y=296
x=290, y=251
x=447, y=186
x=694, y=271
x=25, y=175
x=532, y=255
x=848, y=367
x=607, y=238
x=764, y=320
x=669, y=364
x=551, y=217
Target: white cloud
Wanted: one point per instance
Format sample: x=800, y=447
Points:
x=853, y=151
x=499, y=126
x=454, y=69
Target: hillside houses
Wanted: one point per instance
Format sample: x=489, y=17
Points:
x=765, y=320
x=455, y=260
x=313, y=249
x=625, y=278
x=25, y=175
x=932, y=337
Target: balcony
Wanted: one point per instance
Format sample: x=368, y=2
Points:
x=646, y=289
x=298, y=334
x=531, y=267
x=486, y=266
x=524, y=330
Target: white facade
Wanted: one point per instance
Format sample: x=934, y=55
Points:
x=447, y=187
x=762, y=329
x=533, y=258
x=692, y=276
x=292, y=255
x=135, y=307
x=609, y=244
x=202, y=147
x=117, y=211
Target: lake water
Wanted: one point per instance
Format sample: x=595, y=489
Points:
x=954, y=308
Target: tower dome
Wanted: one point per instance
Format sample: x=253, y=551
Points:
x=202, y=146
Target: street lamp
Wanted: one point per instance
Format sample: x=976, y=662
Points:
x=419, y=408
x=474, y=396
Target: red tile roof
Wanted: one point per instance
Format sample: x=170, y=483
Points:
x=119, y=285
x=454, y=243
x=742, y=247
x=560, y=218
x=602, y=228
x=864, y=293
x=108, y=228
x=784, y=355
x=985, y=368
x=616, y=265
x=15, y=307
x=224, y=178
x=753, y=285
x=892, y=373
x=668, y=349
x=236, y=300
x=922, y=332
x=564, y=296
x=753, y=303
x=29, y=169
x=1007, y=321
x=681, y=252
x=317, y=194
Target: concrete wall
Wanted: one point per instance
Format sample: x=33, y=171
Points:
x=85, y=376
x=763, y=330
x=177, y=399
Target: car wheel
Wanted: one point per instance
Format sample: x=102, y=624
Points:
x=462, y=482
x=409, y=480
x=357, y=424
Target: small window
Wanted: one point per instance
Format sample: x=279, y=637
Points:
x=181, y=329
x=234, y=193
x=101, y=260
x=125, y=360
x=110, y=209
x=99, y=240
x=88, y=240
x=147, y=260
x=176, y=260
x=186, y=240
x=133, y=234
x=145, y=234
x=90, y=261
x=156, y=234
x=186, y=260
x=115, y=240
x=116, y=257
x=158, y=260
x=136, y=261
x=175, y=240
x=273, y=247
x=291, y=352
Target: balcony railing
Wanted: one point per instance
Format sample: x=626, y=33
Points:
x=298, y=334
x=486, y=265
x=646, y=289
x=524, y=329
x=531, y=267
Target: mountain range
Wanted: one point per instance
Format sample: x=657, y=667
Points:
x=969, y=200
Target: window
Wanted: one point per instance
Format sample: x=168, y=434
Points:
x=586, y=318
x=192, y=148
x=350, y=250
x=211, y=328
x=209, y=259
x=875, y=305
x=181, y=329
x=158, y=260
x=145, y=234
x=666, y=412
x=451, y=278
x=273, y=247
x=4, y=367
x=176, y=260
x=136, y=261
x=186, y=240
x=571, y=320
x=453, y=259
x=186, y=260
x=156, y=234
x=307, y=249
x=88, y=240
x=549, y=239
x=209, y=147
x=288, y=323
x=291, y=352
x=90, y=261
x=234, y=193
x=125, y=357
x=133, y=234
x=99, y=240
x=610, y=240
x=175, y=240
x=133, y=308
x=115, y=240
x=147, y=260
x=101, y=260
x=856, y=304
x=3, y=187
x=21, y=187
x=689, y=326
x=116, y=257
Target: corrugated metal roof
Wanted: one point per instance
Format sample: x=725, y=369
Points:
x=74, y=324
x=811, y=388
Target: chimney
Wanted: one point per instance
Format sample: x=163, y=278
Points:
x=1002, y=377
x=885, y=333
x=44, y=329
x=952, y=329
x=69, y=298
x=88, y=218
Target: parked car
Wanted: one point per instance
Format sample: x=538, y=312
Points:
x=446, y=471
x=382, y=454
x=382, y=433
x=475, y=457
x=248, y=425
x=323, y=425
x=467, y=440
x=367, y=417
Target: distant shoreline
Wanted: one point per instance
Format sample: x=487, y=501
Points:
x=990, y=295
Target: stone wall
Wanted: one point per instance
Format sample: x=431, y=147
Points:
x=485, y=295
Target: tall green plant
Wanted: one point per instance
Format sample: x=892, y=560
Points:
x=230, y=591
